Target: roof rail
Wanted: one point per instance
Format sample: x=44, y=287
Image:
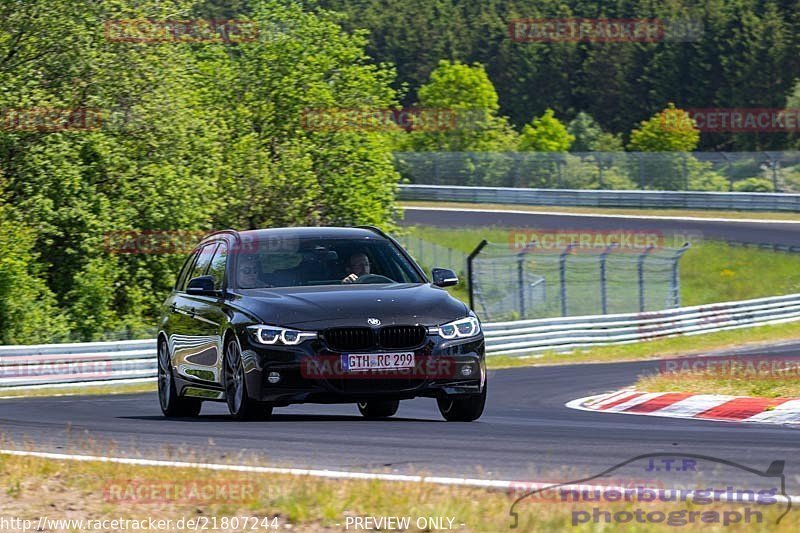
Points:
x=218, y=232
x=375, y=229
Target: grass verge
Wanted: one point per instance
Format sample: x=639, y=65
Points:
x=710, y=271
x=36, y=487
x=123, y=388
x=734, y=385
x=742, y=215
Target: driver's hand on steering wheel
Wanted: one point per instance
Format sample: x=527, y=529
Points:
x=351, y=278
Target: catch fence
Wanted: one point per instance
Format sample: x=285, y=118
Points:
x=510, y=283
x=652, y=171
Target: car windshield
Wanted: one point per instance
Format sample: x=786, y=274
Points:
x=294, y=262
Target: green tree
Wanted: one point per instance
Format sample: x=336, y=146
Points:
x=586, y=132
x=467, y=92
x=545, y=134
x=671, y=130
x=28, y=311
x=672, y=134
x=793, y=105
x=193, y=137
x=717, y=53
x=590, y=137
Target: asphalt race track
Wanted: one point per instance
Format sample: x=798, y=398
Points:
x=746, y=231
x=526, y=432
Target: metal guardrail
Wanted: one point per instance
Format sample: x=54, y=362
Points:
x=739, y=201
x=93, y=362
x=648, y=171
x=105, y=362
x=566, y=334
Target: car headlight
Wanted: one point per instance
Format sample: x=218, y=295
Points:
x=459, y=329
x=276, y=335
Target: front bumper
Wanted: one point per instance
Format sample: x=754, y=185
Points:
x=309, y=374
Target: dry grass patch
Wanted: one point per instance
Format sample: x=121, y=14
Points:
x=34, y=487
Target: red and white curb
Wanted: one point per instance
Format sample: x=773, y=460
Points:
x=696, y=406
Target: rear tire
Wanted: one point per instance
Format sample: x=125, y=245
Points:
x=240, y=405
x=171, y=404
x=378, y=408
x=462, y=409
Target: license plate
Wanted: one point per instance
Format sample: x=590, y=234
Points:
x=356, y=362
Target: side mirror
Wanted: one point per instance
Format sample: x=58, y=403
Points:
x=443, y=277
x=202, y=285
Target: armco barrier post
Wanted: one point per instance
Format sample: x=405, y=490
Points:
x=640, y=269
x=603, y=280
x=470, y=258
x=521, y=282
x=674, y=284
x=562, y=276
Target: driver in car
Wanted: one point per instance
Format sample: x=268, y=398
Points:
x=357, y=265
x=248, y=272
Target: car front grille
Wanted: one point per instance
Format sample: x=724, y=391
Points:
x=346, y=339
x=387, y=337
x=401, y=337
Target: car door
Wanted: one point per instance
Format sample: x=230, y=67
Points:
x=194, y=341
x=177, y=322
x=211, y=318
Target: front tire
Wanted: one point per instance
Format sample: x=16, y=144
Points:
x=171, y=404
x=462, y=409
x=240, y=405
x=378, y=408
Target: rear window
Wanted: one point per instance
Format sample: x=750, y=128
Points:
x=203, y=260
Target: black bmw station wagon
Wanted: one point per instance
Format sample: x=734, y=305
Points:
x=267, y=318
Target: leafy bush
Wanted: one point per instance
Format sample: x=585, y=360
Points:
x=754, y=185
x=545, y=134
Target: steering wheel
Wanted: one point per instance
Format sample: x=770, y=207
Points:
x=373, y=278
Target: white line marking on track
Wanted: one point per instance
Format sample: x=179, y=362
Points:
x=526, y=486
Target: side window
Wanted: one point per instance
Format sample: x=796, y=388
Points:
x=217, y=268
x=203, y=260
x=183, y=276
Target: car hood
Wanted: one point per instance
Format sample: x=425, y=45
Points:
x=331, y=306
